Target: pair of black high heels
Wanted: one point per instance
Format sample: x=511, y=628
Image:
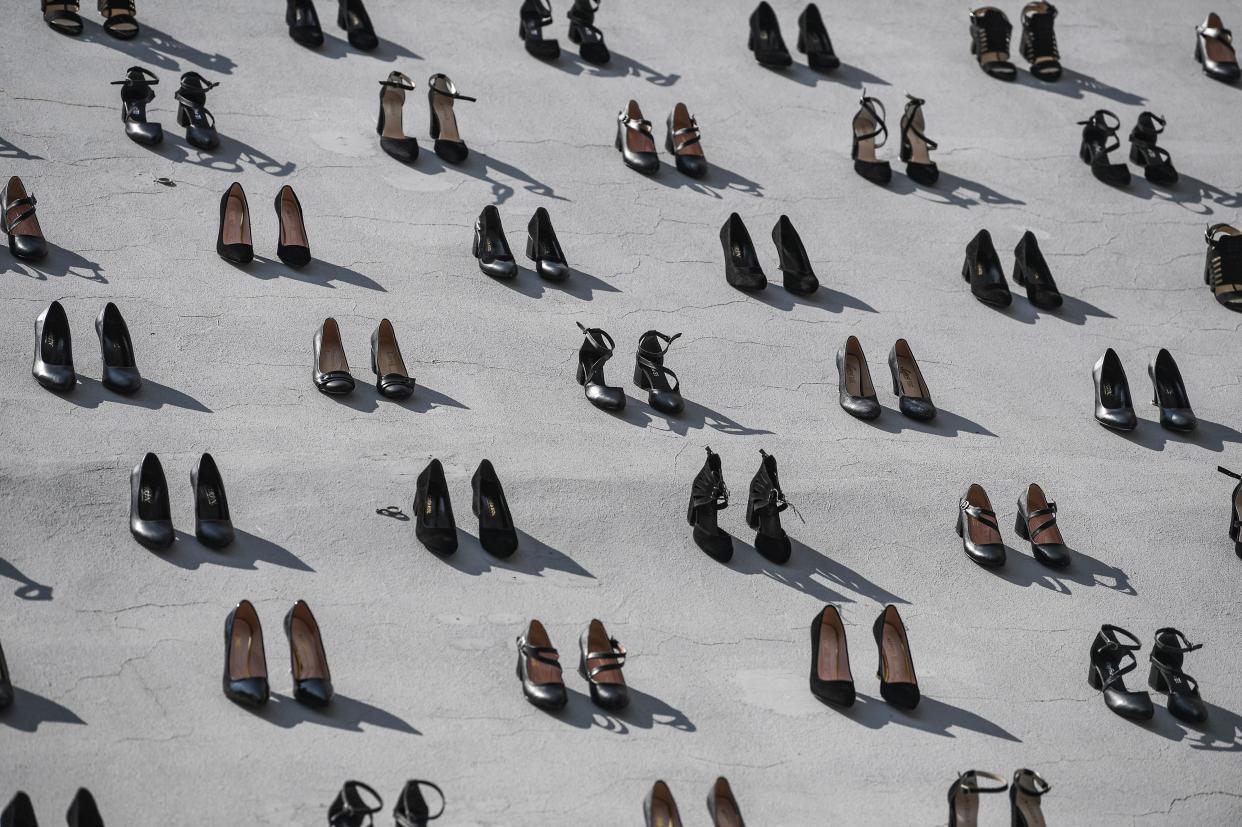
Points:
x=1025, y=793
x=434, y=525
x=989, y=41
x=1036, y=522
x=764, y=504
x=351, y=17
x=330, y=371
x=150, y=515
x=813, y=41
x=856, y=393
x=650, y=373
x=1222, y=269
x=1214, y=50
x=982, y=270
x=660, y=810
x=1235, y=510
x=1099, y=137
x=831, y=678
x=120, y=17
x=1112, y=657
x=868, y=124
x=234, y=242
x=245, y=660
x=351, y=808
x=600, y=659
x=192, y=112
x=742, y=267
x=441, y=95
x=536, y=14
x=20, y=223
x=491, y=247
x=53, y=352
x=636, y=141
x=1114, y=407
x=83, y=812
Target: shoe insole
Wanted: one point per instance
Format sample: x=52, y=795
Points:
x=115, y=352
x=896, y=656
x=236, y=227
x=149, y=498
x=308, y=659
x=863, y=125
x=681, y=120
x=539, y=672
x=727, y=814
x=1028, y=806
x=61, y=22
x=491, y=510
x=331, y=351
x=662, y=815
x=443, y=106
x=246, y=659
x=908, y=377
x=388, y=357
x=597, y=641
x=434, y=513
x=1216, y=50
x=54, y=349
x=393, y=101
x=210, y=502
x=918, y=148
x=833, y=661
x=1036, y=501
x=292, y=228
x=1113, y=395
x=857, y=380
x=965, y=808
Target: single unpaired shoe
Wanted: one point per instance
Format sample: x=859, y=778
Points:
x=20, y=223
x=213, y=523
x=1037, y=524
x=982, y=270
x=392, y=379
x=308, y=662
x=491, y=247
x=989, y=42
x=1099, y=137
x=150, y=518
x=763, y=511
x=539, y=669
x=742, y=268
x=53, y=351
x=869, y=124
x=1222, y=270
x=391, y=124
x=1214, y=50
x=795, y=266
x=434, y=525
x=1024, y=796
x=497, y=534
x=1031, y=271
x=1166, y=676
x=584, y=32
x=1111, y=660
x=683, y=140
x=245, y=661
x=1155, y=160
x=597, y=348
x=600, y=660
x=813, y=40
x=331, y=369
x=708, y=495
x=765, y=38
x=636, y=141
x=1169, y=394
x=651, y=375
x=913, y=398
x=978, y=528
x=1114, y=407
x=136, y=93
x=116, y=350
x=964, y=796
x=856, y=393
x=1039, y=40
x=898, y=684
x=831, y=678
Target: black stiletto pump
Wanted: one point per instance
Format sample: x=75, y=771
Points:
x=963, y=796
x=899, y=685
x=535, y=15
x=491, y=247
x=351, y=808
x=597, y=349
x=582, y=31
x=1169, y=394
x=722, y=806
x=1024, y=796
x=979, y=529
x=989, y=42
x=1039, y=40
x=245, y=659
x=303, y=23
x=855, y=391
x=651, y=375
x=200, y=125
x=352, y=17
x=795, y=265
x=1155, y=160
x=53, y=353
x=213, y=524
x=868, y=125
x=765, y=38
x=233, y=241
x=20, y=223
x=446, y=140
x=61, y=16
x=763, y=511
x=1031, y=271
x=1099, y=137
x=412, y=809
x=120, y=370
x=433, y=512
x=915, y=146
x=708, y=495
x=831, y=678
x=1113, y=406
x=813, y=40
x=392, y=379
x=1214, y=50
x=913, y=398
x=136, y=93
x=292, y=245
x=1109, y=666
x=390, y=126
x=742, y=268
x=543, y=248
x=83, y=812
x=982, y=269
x=497, y=534
x=1043, y=534
x=150, y=519
x=1167, y=653
x=308, y=661
x=1235, y=511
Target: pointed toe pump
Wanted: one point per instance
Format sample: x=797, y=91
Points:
x=1037, y=524
x=898, y=684
x=20, y=811
x=53, y=352
x=312, y=680
x=831, y=678
x=636, y=141
x=964, y=796
x=354, y=806
x=855, y=391
x=1167, y=677
x=391, y=378
x=913, y=398
x=1039, y=40
x=722, y=806
x=763, y=511
x=434, y=525
x=292, y=247
x=1111, y=661
x=303, y=23
x=446, y=140
x=915, y=146
x=1031, y=271
x=1024, y=796
x=120, y=370
x=539, y=669
x=1214, y=50
x=497, y=534
x=352, y=18
x=742, y=268
x=1169, y=394
x=535, y=15
x=868, y=125
x=813, y=40
x=6, y=686
x=192, y=114
x=61, y=16
x=390, y=126
x=233, y=242
x=491, y=247
x=659, y=808
x=795, y=266
x=412, y=809
x=708, y=495
x=83, y=811
x=989, y=42
x=21, y=224
x=596, y=349
x=136, y=93
x=543, y=248
x=1113, y=406
x=245, y=661
x=1099, y=137
x=1155, y=160
x=1222, y=271
x=979, y=530
x=765, y=38
x=982, y=270
x=600, y=658
x=582, y=31
x=150, y=518
x=1235, y=511
x=331, y=370
x=651, y=375
x=213, y=524
x=683, y=140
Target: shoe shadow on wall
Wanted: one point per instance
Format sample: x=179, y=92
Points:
x=533, y=557
x=344, y=713
x=1022, y=569
x=810, y=572
x=29, y=711
x=27, y=589
x=157, y=49
x=246, y=552
x=931, y=716
x=643, y=712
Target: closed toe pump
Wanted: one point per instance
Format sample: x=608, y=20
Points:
x=813, y=40
x=446, y=140
x=1167, y=654
x=200, y=124
x=245, y=661
x=120, y=18
x=1235, y=511
x=1113, y=406
x=1037, y=524
x=763, y=511
x=1031, y=271
x=354, y=806
x=53, y=353
x=635, y=140
x=1169, y=394
x=20, y=811
x=765, y=38
x=497, y=534
x=1024, y=796
x=722, y=806
x=600, y=660
x=597, y=349
x=292, y=246
x=213, y=524
x=491, y=247
x=979, y=530
x=795, y=267
x=303, y=23
x=1111, y=661
x=683, y=140
x=913, y=398
x=831, y=678
x=915, y=146
x=708, y=495
x=1214, y=50
x=6, y=684
x=352, y=17
x=539, y=669
x=150, y=518
x=1099, y=137
x=120, y=371
x=136, y=93
x=1155, y=160
x=433, y=511
x=582, y=30
x=989, y=42
x=868, y=125
x=1222, y=271
x=742, y=268
x=412, y=809
x=390, y=126
x=1039, y=40
x=651, y=375
x=233, y=242
x=20, y=223
x=83, y=812
x=535, y=15
x=543, y=248
x=855, y=391
x=964, y=796
x=898, y=684
x=982, y=270
x=308, y=663
x=659, y=808
x=331, y=371
x=62, y=16
x=391, y=377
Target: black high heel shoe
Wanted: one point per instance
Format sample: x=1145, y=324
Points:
x=391, y=377
x=1155, y=160
x=765, y=38
x=53, y=354
x=597, y=349
x=539, y=669
x=636, y=141
x=446, y=140
x=83, y=812
x=390, y=126
x=491, y=247
x=1039, y=40
x=292, y=246
x=20, y=223
x=795, y=265
x=233, y=241
x=136, y=93
x=433, y=511
x=722, y=806
x=1031, y=271
x=61, y=16
x=120, y=370
x=213, y=524
x=651, y=375
x=763, y=511
x=303, y=23
x=543, y=248
x=1099, y=137
x=867, y=125
x=708, y=495
x=245, y=660
x=915, y=146
x=982, y=269
x=20, y=811
x=1223, y=269
x=1169, y=394
x=683, y=140
x=1108, y=669
x=308, y=662
x=150, y=519
x=497, y=534
x=1167, y=677
x=831, y=678
x=582, y=31
x=1044, y=536
x=1113, y=406
x=412, y=809
x=535, y=15
x=350, y=808
x=352, y=17
x=989, y=42
x=913, y=398
x=120, y=18
x=200, y=125
x=1024, y=796
x=1214, y=50
x=659, y=808
x=331, y=369
x=898, y=684
x=979, y=529
x=600, y=658
x=813, y=40
x=742, y=269
x=1235, y=511
x=855, y=391
x=964, y=796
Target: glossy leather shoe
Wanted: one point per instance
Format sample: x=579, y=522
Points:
x=6, y=684
x=1037, y=524
x=964, y=796
x=391, y=377
x=583, y=31
x=651, y=375
x=412, y=809
x=722, y=806
x=1099, y=137
x=233, y=241
x=982, y=270
x=192, y=112
x=813, y=40
x=989, y=42
x=855, y=391
x=19, y=812
x=120, y=371
x=708, y=495
x=539, y=669
x=1031, y=271
x=597, y=349
x=150, y=519
x=915, y=146
x=445, y=137
x=1039, y=40
x=213, y=525
x=831, y=678
x=659, y=808
x=913, y=398
x=291, y=246
x=390, y=125
x=1155, y=160
x=351, y=807
x=979, y=530
x=20, y=223
x=795, y=265
x=53, y=351
x=491, y=247
x=742, y=269
x=535, y=15
x=1111, y=660
x=245, y=661
x=303, y=23
x=683, y=140
x=1214, y=50
x=763, y=511
x=765, y=38
x=868, y=125
x=1235, y=511
x=636, y=141
x=543, y=248
x=600, y=658
x=433, y=511
x=497, y=534
x=1169, y=394
x=1166, y=676
x=1222, y=269
x=136, y=93
x=1024, y=796
x=352, y=17
x=331, y=370
x=898, y=684
x=1113, y=406
x=308, y=663
x=83, y=812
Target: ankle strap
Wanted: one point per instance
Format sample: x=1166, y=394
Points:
x=583, y=12
x=912, y=107
x=968, y=782
x=1228, y=473
x=1151, y=119
x=352, y=806
x=1212, y=230
x=869, y=105
x=452, y=90
x=401, y=82
x=197, y=83
x=138, y=74
x=543, y=9
x=668, y=342
x=1041, y=786
x=597, y=337
x=1183, y=644
x=1099, y=119
x=412, y=786
x=1216, y=33
x=1110, y=633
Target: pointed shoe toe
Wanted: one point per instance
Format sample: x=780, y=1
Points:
x=124, y=380
x=58, y=378
x=313, y=691
x=294, y=255
x=774, y=549
x=251, y=692
x=925, y=174
x=237, y=253
x=404, y=150
x=861, y=407
x=837, y=693
x=901, y=695
x=606, y=398
x=452, y=152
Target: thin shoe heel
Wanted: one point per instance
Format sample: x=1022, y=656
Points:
x=1019, y=527
x=1093, y=679
x=1155, y=679
x=374, y=366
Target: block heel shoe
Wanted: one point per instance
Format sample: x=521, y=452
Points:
x=709, y=495
x=1111, y=661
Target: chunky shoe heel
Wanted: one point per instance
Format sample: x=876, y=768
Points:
x=1093, y=679
x=640, y=379
x=1156, y=680
x=1019, y=278
x=1019, y=527
x=1136, y=157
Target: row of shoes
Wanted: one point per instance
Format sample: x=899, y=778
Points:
x=119, y=16
x=491, y=248
x=982, y=270
x=150, y=513
x=245, y=660
x=192, y=114
x=1114, y=407
x=434, y=525
x=234, y=242
x=989, y=41
x=351, y=16
x=536, y=14
x=764, y=504
x=916, y=147
x=53, y=352
x=83, y=812
x=1112, y=657
x=660, y=810
x=445, y=137
x=19, y=222
x=1036, y=522
x=650, y=372
x=600, y=659
x=357, y=803
x=813, y=41
x=1099, y=137
x=831, y=678
x=682, y=140
x=742, y=267
x=331, y=367
x=856, y=393
x=1025, y=793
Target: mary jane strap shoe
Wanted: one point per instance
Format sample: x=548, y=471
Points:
x=150, y=518
x=636, y=141
x=596, y=349
x=1111, y=660
x=1037, y=524
x=539, y=669
x=213, y=524
x=831, y=678
x=331, y=369
x=20, y=223
x=1113, y=406
x=245, y=661
x=979, y=530
x=683, y=140
x=1214, y=50
x=652, y=375
x=53, y=351
x=601, y=658
x=116, y=349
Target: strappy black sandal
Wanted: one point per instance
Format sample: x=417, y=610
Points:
x=651, y=375
x=1155, y=160
x=446, y=140
x=989, y=42
x=200, y=125
x=1235, y=511
x=1099, y=137
x=963, y=796
x=19, y=222
x=869, y=124
x=136, y=93
x=62, y=16
x=582, y=31
x=1039, y=40
x=1109, y=667
x=351, y=809
x=915, y=146
x=1214, y=50
x=597, y=349
x=708, y=495
x=1166, y=676
x=119, y=18
x=535, y=15
x=763, y=511
x=390, y=126
x=1025, y=792
x=411, y=809
x=1223, y=270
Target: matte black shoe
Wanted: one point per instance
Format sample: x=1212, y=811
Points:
x=795, y=265
x=831, y=678
x=292, y=246
x=303, y=23
x=964, y=796
x=1222, y=271
x=433, y=511
x=352, y=17
x=1099, y=137
x=192, y=113
x=535, y=15
x=19, y=812
x=213, y=524
x=659, y=808
x=600, y=658
x=982, y=270
x=1113, y=406
x=1024, y=796
x=636, y=140
x=1039, y=40
x=391, y=123
x=539, y=669
x=6, y=684
x=412, y=809
x=1031, y=271
x=651, y=375
x=582, y=31
x=708, y=495
x=497, y=534
x=233, y=241
x=392, y=379
x=1169, y=394
x=245, y=661
x=351, y=807
x=898, y=684
x=491, y=247
x=765, y=38
x=978, y=528
x=150, y=519
x=913, y=398
x=915, y=146
x=83, y=812
x=330, y=371
x=120, y=371
x=813, y=40
x=53, y=351
x=308, y=662
x=763, y=511
x=989, y=42
x=445, y=137
x=1037, y=524
x=855, y=391
x=20, y=223
x=1155, y=160
x=1235, y=511
x=136, y=93
x=1214, y=50
x=543, y=248
x=742, y=269
x=596, y=349
x=683, y=140
x=1111, y=660
x=1167, y=654
x=869, y=124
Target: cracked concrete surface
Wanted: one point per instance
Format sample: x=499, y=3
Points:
x=116, y=651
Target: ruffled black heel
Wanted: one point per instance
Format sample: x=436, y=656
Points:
x=763, y=511
x=597, y=348
x=651, y=375
x=1155, y=160
x=1099, y=137
x=136, y=93
x=582, y=31
x=708, y=495
x=200, y=125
